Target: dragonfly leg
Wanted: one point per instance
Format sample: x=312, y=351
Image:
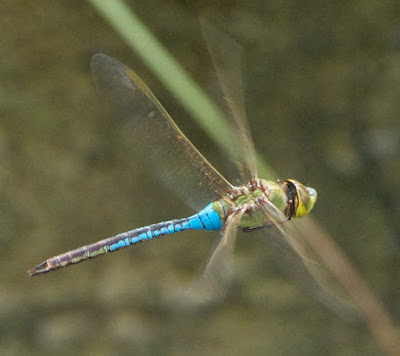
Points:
x=266, y=225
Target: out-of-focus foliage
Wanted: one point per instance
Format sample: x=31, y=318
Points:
x=322, y=88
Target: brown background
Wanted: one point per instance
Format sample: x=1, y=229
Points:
x=322, y=87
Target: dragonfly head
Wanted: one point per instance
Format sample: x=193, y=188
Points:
x=299, y=199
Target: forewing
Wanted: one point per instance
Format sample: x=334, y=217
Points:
x=227, y=58
x=296, y=257
x=168, y=152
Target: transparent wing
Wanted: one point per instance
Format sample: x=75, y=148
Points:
x=171, y=156
x=297, y=257
x=219, y=272
x=227, y=57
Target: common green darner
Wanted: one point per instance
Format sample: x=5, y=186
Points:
x=256, y=204
x=251, y=206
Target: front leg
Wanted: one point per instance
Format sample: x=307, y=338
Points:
x=266, y=225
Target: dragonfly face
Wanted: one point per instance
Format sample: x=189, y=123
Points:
x=300, y=199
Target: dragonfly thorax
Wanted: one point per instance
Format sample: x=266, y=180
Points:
x=249, y=199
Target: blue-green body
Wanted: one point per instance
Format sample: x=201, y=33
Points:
x=252, y=205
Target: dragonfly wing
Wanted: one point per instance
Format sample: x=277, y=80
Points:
x=299, y=260
x=169, y=152
x=227, y=57
x=218, y=274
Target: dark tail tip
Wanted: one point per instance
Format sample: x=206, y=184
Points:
x=39, y=269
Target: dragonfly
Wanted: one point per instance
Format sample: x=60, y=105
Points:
x=255, y=204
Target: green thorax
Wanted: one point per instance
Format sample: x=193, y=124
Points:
x=252, y=197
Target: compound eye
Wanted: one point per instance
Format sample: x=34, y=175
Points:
x=306, y=198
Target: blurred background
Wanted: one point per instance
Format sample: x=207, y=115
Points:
x=322, y=86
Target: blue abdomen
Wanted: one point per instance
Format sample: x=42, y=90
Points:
x=206, y=219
